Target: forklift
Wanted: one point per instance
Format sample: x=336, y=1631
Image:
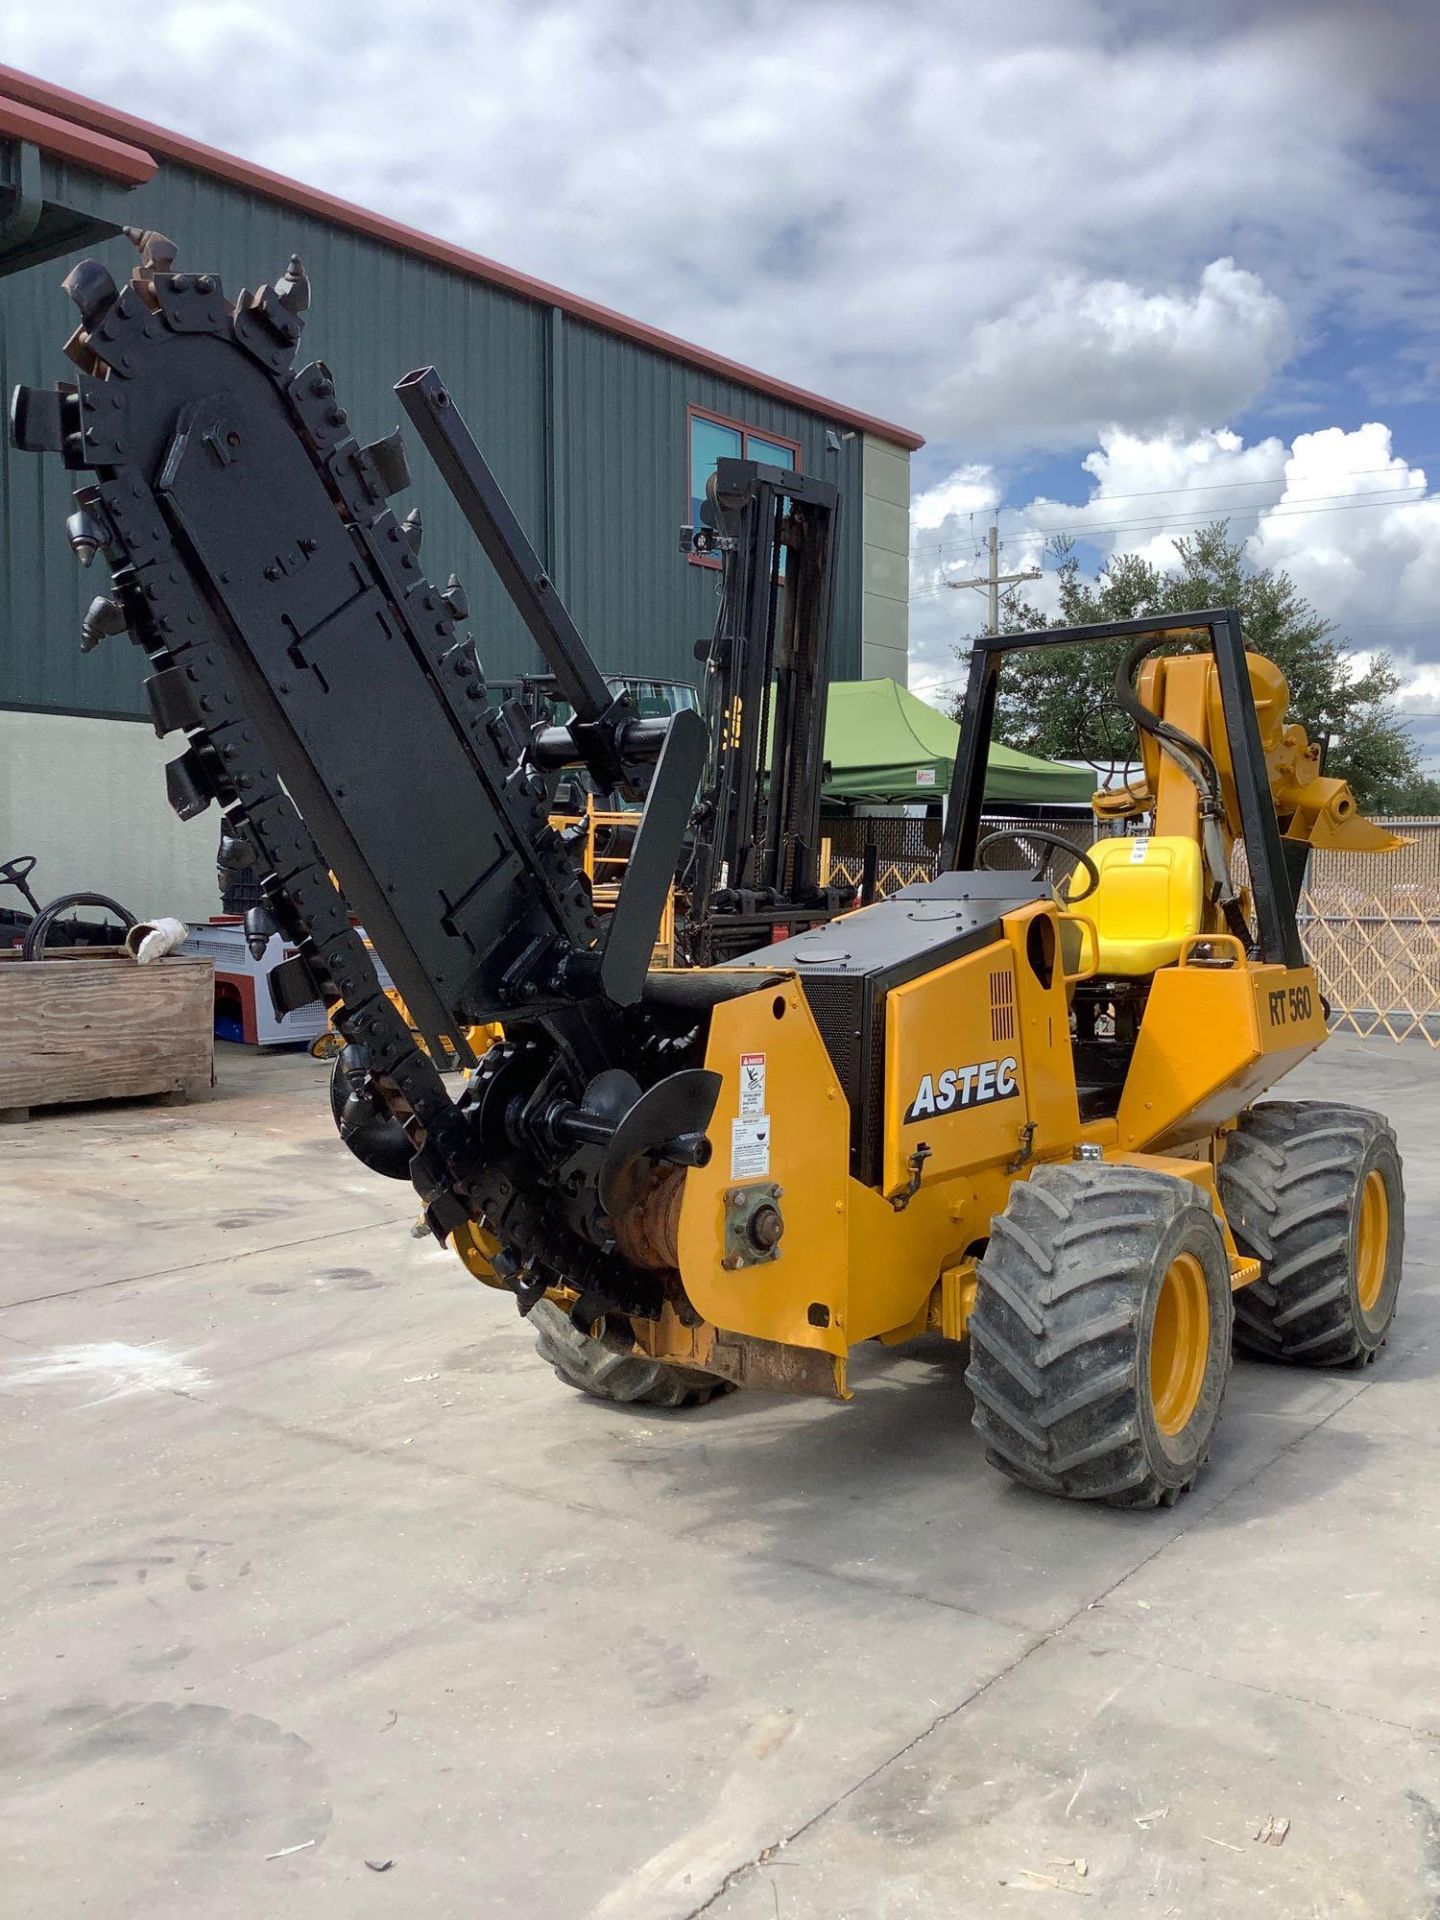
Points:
x=1018, y=1108
x=751, y=870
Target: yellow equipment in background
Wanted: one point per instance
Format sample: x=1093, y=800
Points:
x=606, y=836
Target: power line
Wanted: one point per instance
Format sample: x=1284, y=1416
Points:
x=992, y=579
x=1188, y=526
x=1399, y=714
x=1342, y=503
x=1225, y=486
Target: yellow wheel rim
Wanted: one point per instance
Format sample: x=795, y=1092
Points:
x=1179, y=1343
x=1372, y=1240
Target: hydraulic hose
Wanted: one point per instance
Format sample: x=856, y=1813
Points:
x=39, y=928
x=373, y=1134
x=1195, y=761
x=1198, y=765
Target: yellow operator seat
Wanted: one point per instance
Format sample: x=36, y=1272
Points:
x=1147, y=903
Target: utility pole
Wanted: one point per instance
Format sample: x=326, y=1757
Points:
x=992, y=580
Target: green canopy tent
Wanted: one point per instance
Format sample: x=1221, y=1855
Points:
x=885, y=746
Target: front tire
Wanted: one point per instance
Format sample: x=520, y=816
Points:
x=1100, y=1340
x=589, y=1366
x=1314, y=1191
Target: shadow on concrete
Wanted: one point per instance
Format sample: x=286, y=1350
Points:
x=894, y=1486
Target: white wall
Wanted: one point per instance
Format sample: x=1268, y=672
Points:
x=885, y=513
x=88, y=798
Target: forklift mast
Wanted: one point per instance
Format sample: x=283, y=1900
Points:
x=753, y=872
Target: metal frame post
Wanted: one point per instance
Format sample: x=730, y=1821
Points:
x=1279, y=934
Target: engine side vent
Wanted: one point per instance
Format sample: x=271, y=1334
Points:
x=838, y=1007
x=851, y=1019
x=1002, y=1004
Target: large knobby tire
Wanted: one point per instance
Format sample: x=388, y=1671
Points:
x=1314, y=1191
x=1100, y=1340
x=591, y=1367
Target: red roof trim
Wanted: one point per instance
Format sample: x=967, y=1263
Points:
x=275, y=186
x=132, y=166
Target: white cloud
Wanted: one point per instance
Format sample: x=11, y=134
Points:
x=1148, y=488
x=1420, y=700
x=1166, y=475
x=1017, y=236
x=1374, y=568
x=969, y=490
x=1070, y=360
x=1102, y=227
x=1351, y=521
x=948, y=524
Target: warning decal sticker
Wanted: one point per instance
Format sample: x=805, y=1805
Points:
x=752, y=1086
x=750, y=1149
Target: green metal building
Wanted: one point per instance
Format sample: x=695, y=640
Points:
x=600, y=429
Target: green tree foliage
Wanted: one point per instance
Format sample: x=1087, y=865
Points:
x=1059, y=702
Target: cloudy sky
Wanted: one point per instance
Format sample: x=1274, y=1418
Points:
x=1128, y=265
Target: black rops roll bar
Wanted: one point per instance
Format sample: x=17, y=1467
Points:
x=1278, y=933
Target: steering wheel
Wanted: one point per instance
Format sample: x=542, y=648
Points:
x=17, y=872
x=1055, y=841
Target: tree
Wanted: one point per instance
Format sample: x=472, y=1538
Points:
x=1418, y=797
x=1059, y=701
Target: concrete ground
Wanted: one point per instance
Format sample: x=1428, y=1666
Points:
x=323, y=1596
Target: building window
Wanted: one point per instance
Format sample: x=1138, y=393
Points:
x=714, y=438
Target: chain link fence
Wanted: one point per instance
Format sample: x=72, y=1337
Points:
x=908, y=850
x=1371, y=925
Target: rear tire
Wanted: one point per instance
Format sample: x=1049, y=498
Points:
x=1100, y=1340
x=1314, y=1191
x=591, y=1367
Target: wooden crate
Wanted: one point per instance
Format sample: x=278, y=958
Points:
x=92, y=1025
